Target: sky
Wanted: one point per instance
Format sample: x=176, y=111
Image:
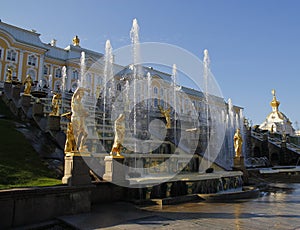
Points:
x=254, y=46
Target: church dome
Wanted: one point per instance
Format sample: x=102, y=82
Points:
x=277, y=121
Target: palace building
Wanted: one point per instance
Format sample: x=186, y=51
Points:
x=24, y=52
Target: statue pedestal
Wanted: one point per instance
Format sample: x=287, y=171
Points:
x=15, y=92
x=53, y=123
x=114, y=169
x=239, y=162
x=7, y=89
x=239, y=165
x=25, y=100
x=76, y=171
x=37, y=109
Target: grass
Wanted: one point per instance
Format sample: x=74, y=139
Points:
x=20, y=165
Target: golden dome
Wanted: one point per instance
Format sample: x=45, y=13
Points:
x=274, y=103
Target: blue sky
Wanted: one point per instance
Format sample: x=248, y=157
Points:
x=254, y=46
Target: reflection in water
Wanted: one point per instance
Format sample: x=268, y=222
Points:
x=279, y=208
x=237, y=213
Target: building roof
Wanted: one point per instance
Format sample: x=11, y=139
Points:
x=22, y=35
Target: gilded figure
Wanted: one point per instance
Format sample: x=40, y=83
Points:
x=238, y=142
x=70, y=145
x=28, y=83
x=119, y=130
x=9, y=75
x=166, y=114
x=56, y=101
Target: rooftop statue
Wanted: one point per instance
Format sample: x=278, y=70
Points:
x=238, y=142
x=119, y=130
x=56, y=101
x=28, y=83
x=166, y=114
x=76, y=41
x=79, y=115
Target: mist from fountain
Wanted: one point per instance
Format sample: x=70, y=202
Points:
x=174, y=79
x=50, y=82
x=149, y=87
x=206, y=62
x=81, y=79
x=134, y=35
x=63, y=87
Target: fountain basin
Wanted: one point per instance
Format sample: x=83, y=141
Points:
x=247, y=192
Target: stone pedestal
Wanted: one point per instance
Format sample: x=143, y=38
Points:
x=239, y=162
x=25, y=100
x=7, y=89
x=15, y=92
x=37, y=109
x=114, y=169
x=76, y=171
x=239, y=165
x=53, y=123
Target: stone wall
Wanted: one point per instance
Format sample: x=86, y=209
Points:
x=19, y=207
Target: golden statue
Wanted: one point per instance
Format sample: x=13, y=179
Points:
x=76, y=41
x=79, y=115
x=27, y=82
x=119, y=130
x=238, y=142
x=70, y=145
x=56, y=101
x=166, y=114
x=9, y=75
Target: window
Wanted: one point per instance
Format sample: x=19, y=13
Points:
x=57, y=85
x=46, y=70
x=74, y=87
x=58, y=73
x=155, y=90
x=162, y=103
x=161, y=92
x=89, y=80
x=155, y=102
x=11, y=55
x=32, y=60
x=119, y=87
x=75, y=75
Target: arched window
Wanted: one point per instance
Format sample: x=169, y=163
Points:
x=46, y=70
x=88, y=80
x=75, y=75
x=155, y=102
x=119, y=87
x=11, y=55
x=58, y=73
x=57, y=85
x=162, y=103
x=1, y=51
x=155, y=90
x=32, y=59
x=74, y=86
